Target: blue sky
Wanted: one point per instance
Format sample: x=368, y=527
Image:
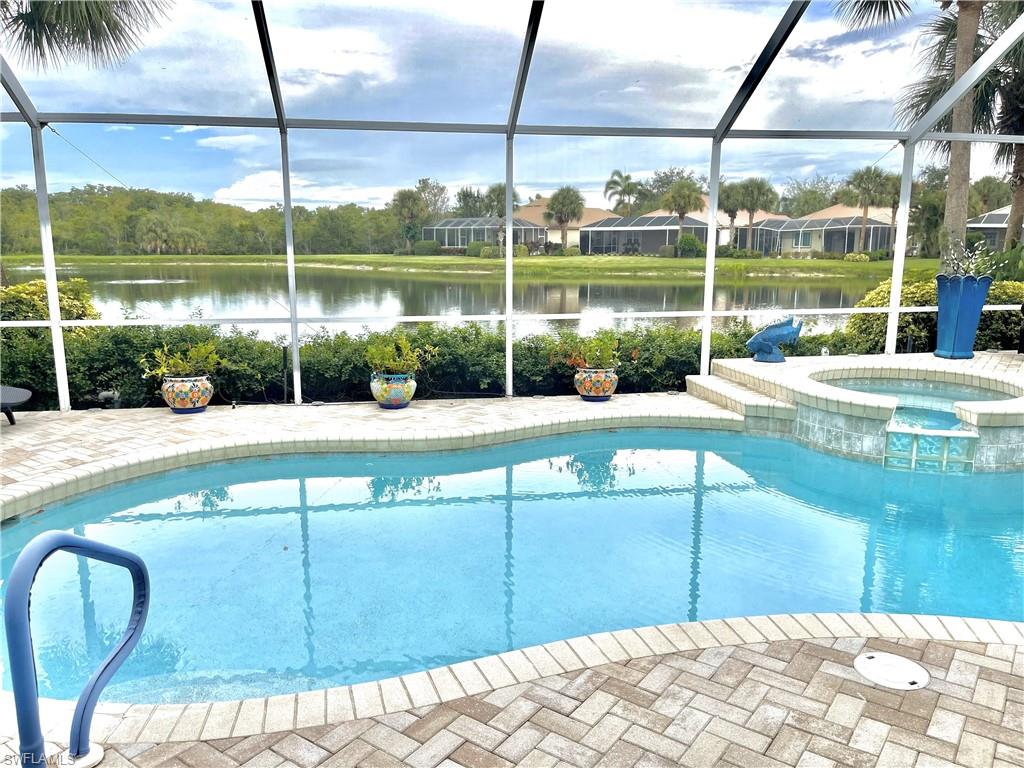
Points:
x=669, y=63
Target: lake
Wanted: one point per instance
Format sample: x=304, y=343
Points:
x=178, y=291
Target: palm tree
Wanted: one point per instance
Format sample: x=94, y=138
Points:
x=729, y=201
x=623, y=189
x=864, y=188
x=153, y=233
x=46, y=33
x=681, y=198
x=892, y=194
x=997, y=104
x=962, y=54
x=756, y=194
x=494, y=200
x=565, y=205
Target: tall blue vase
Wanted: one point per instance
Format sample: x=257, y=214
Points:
x=960, y=302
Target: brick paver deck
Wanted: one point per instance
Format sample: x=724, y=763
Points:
x=755, y=705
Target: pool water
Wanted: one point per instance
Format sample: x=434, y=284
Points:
x=922, y=404
x=301, y=572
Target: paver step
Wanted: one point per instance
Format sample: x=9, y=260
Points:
x=738, y=398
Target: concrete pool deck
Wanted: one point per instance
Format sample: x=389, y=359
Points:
x=760, y=692
x=49, y=456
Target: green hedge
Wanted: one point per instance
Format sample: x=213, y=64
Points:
x=997, y=330
x=473, y=247
x=426, y=248
x=470, y=359
x=689, y=246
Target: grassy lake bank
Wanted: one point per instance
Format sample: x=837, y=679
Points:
x=600, y=269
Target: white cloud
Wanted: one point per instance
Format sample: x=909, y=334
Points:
x=191, y=128
x=263, y=188
x=167, y=138
x=241, y=142
x=117, y=128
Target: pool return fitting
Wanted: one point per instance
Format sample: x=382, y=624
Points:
x=17, y=624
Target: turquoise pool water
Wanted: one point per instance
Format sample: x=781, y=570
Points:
x=925, y=404
x=300, y=572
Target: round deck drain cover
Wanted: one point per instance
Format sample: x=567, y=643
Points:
x=892, y=671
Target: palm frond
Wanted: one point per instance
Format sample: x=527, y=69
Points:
x=860, y=14
x=47, y=33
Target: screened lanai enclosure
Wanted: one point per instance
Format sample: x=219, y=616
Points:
x=458, y=233
x=308, y=117
x=638, y=234
x=796, y=237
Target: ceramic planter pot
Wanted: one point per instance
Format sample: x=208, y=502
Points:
x=960, y=301
x=187, y=394
x=392, y=390
x=596, y=384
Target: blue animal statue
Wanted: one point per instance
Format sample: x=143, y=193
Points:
x=765, y=343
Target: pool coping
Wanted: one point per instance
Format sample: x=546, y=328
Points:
x=157, y=723
x=630, y=411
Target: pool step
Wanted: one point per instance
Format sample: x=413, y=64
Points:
x=739, y=399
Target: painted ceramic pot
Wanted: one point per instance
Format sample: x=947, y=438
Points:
x=392, y=390
x=596, y=384
x=188, y=394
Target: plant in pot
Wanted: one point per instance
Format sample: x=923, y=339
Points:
x=962, y=287
x=595, y=360
x=393, y=365
x=185, y=375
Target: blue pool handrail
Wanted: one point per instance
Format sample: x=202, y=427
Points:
x=19, y=638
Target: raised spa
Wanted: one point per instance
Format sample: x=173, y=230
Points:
x=303, y=572
x=922, y=403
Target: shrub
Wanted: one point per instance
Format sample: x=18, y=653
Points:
x=572, y=250
x=599, y=351
x=1011, y=264
x=27, y=301
x=474, y=247
x=519, y=251
x=997, y=330
x=426, y=248
x=861, y=258
x=667, y=251
x=689, y=246
x=726, y=252
x=490, y=252
x=828, y=255
x=451, y=250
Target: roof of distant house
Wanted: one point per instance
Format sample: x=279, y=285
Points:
x=534, y=211
x=876, y=212
x=996, y=218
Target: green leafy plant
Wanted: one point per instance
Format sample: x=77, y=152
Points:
x=426, y=248
x=195, y=360
x=689, y=246
x=857, y=257
x=474, y=247
x=392, y=352
x=599, y=351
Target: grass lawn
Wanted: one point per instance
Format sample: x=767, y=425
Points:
x=602, y=268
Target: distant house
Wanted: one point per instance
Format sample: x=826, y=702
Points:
x=993, y=226
x=834, y=229
x=533, y=211
x=651, y=231
x=458, y=233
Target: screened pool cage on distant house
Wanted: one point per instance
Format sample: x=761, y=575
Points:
x=458, y=233
x=511, y=128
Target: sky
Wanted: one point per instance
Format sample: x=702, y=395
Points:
x=669, y=63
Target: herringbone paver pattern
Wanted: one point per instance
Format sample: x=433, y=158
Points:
x=759, y=705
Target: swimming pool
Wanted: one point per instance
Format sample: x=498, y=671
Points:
x=303, y=572
x=922, y=403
